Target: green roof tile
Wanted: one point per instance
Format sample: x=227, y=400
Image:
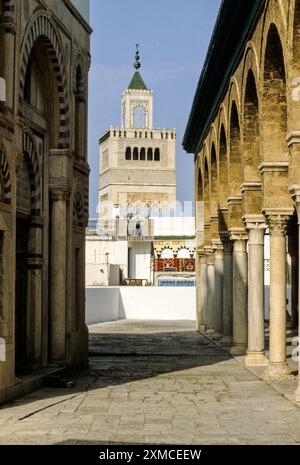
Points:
x=137, y=82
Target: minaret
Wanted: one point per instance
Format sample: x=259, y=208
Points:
x=137, y=101
x=137, y=162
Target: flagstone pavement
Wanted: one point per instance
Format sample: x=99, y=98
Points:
x=156, y=383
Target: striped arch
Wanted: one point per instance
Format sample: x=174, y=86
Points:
x=5, y=179
x=41, y=27
x=31, y=158
x=8, y=12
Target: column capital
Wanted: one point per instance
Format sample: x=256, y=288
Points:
x=9, y=26
x=255, y=222
x=295, y=193
x=210, y=258
x=217, y=247
x=202, y=259
x=277, y=224
x=200, y=251
x=238, y=234
x=57, y=194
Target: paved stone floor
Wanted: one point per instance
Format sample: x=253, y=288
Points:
x=150, y=383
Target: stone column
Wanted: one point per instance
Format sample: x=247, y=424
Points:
x=58, y=257
x=295, y=193
x=277, y=367
x=36, y=317
x=227, y=292
x=203, y=294
x=240, y=293
x=199, y=308
x=293, y=251
x=297, y=393
x=210, y=296
x=9, y=33
x=256, y=331
x=218, y=305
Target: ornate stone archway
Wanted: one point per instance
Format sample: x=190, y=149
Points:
x=42, y=27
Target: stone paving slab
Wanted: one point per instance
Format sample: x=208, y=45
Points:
x=155, y=383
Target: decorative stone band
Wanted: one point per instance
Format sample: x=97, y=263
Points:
x=252, y=186
x=214, y=218
x=293, y=138
x=274, y=167
x=235, y=200
x=8, y=17
x=223, y=210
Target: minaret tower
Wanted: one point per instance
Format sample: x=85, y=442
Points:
x=137, y=101
x=137, y=162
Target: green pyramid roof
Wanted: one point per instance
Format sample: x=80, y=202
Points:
x=137, y=82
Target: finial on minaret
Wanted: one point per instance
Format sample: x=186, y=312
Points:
x=137, y=63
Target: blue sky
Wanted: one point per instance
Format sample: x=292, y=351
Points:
x=173, y=37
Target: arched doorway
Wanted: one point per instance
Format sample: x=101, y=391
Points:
x=40, y=112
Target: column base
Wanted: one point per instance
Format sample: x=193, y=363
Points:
x=227, y=340
x=210, y=332
x=217, y=336
x=277, y=372
x=238, y=349
x=256, y=359
x=297, y=393
x=201, y=328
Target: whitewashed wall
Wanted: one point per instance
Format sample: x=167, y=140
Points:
x=146, y=303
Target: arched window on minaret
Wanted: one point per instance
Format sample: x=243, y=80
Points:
x=135, y=153
x=143, y=154
x=139, y=117
x=150, y=154
x=157, y=155
x=128, y=153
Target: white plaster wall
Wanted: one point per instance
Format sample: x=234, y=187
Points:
x=174, y=226
x=145, y=303
x=102, y=304
x=141, y=260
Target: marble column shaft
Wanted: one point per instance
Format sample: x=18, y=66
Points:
x=58, y=276
x=256, y=336
x=277, y=367
x=219, y=270
x=240, y=291
x=297, y=393
x=203, y=285
x=210, y=300
x=227, y=292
